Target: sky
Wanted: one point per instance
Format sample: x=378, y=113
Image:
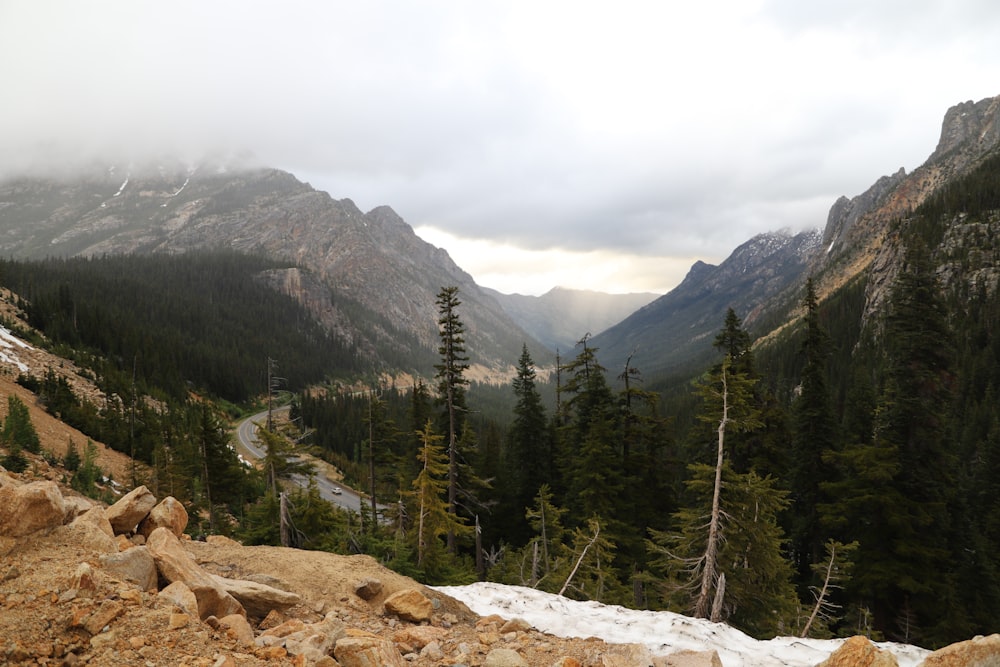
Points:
x=590, y=145
x=661, y=632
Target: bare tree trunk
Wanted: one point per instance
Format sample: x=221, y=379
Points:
x=701, y=607
x=580, y=559
x=822, y=594
x=720, y=593
x=283, y=516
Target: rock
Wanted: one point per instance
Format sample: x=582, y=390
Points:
x=238, y=628
x=690, y=659
x=504, y=657
x=859, y=652
x=286, y=628
x=107, y=612
x=175, y=564
x=409, y=605
x=135, y=566
x=977, y=652
x=169, y=513
x=367, y=652
x=627, y=655
x=77, y=506
x=83, y=578
x=419, y=636
x=515, y=625
x=178, y=621
x=91, y=534
x=257, y=599
x=31, y=507
x=130, y=509
x=179, y=595
x=566, y=661
x=366, y=589
x=96, y=516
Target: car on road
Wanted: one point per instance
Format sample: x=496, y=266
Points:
x=337, y=490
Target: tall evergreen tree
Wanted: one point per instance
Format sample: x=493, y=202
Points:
x=451, y=387
x=528, y=452
x=433, y=518
x=813, y=436
x=895, y=491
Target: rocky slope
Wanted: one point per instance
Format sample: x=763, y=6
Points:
x=675, y=332
x=859, y=235
x=763, y=279
x=370, y=277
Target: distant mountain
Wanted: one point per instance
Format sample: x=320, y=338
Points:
x=674, y=333
x=367, y=275
x=561, y=317
x=763, y=279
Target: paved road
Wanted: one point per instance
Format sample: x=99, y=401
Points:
x=335, y=492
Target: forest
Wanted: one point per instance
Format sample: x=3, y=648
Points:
x=840, y=478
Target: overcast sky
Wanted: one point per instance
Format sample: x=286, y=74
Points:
x=596, y=145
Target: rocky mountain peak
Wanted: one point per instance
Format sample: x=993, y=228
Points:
x=972, y=127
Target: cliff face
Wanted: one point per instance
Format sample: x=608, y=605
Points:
x=860, y=234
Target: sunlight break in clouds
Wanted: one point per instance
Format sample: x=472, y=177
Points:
x=512, y=270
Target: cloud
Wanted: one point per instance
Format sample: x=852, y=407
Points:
x=643, y=130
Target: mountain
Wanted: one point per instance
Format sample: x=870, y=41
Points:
x=763, y=279
x=674, y=333
x=368, y=276
x=561, y=317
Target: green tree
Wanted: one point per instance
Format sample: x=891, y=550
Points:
x=17, y=427
x=894, y=491
x=528, y=453
x=751, y=584
x=279, y=462
x=433, y=518
x=813, y=436
x=451, y=388
x=727, y=402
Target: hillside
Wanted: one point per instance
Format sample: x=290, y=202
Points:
x=763, y=279
x=375, y=280
x=674, y=333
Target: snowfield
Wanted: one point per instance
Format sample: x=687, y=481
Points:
x=661, y=631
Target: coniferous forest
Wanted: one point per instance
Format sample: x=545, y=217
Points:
x=839, y=478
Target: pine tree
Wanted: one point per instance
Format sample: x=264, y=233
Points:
x=813, y=436
x=451, y=388
x=17, y=427
x=751, y=583
x=433, y=518
x=894, y=490
x=528, y=451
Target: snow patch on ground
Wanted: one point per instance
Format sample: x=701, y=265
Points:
x=8, y=346
x=661, y=631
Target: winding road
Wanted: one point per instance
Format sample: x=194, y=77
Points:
x=330, y=490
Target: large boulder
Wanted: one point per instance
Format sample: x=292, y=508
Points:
x=130, y=509
x=181, y=597
x=135, y=566
x=169, y=513
x=367, y=652
x=859, y=652
x=978, y=652
x=175, y=564
x=258, y=599
x=410, y=605
x=31, y=507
